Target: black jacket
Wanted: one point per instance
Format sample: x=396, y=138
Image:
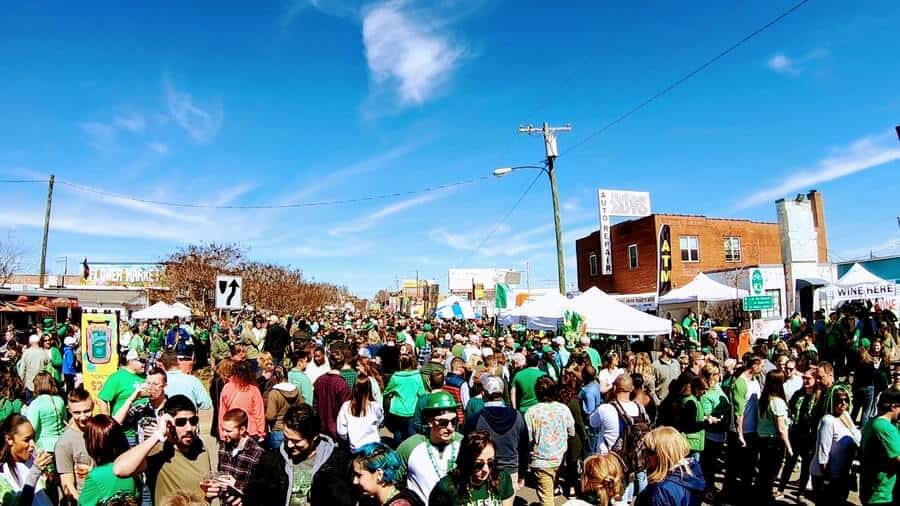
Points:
x=277, y=339
x=332, y=482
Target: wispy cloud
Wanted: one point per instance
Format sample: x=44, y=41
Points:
x=407, y=51
x=294, y=8
x=864, y=154
x=133, y=122
x=781, y=63
x=368, y=221
x=879, y=249
x=201, y=123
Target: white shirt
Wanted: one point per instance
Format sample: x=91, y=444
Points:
x=422, y=475
x=606, y=420
x=360, y=430
x=606, y=377
x=313, y=371
x=18, y=483
x=834, y=446
x=794, y=383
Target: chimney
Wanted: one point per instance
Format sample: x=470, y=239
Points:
x=818, y=211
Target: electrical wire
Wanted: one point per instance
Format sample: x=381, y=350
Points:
x=294, y=205
x=503, y=219
x=685, y=77
x=15, y=181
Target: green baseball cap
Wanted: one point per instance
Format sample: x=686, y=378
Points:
x=426, y=327
x=440, y=401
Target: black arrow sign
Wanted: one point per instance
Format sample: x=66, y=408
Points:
x=234, y=286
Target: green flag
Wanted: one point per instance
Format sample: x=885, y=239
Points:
x=501, y=295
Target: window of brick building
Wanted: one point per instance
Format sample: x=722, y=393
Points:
x=593, y=262
x=690, y=248
x=632, y=256
x=732, y=249
x=775, y=312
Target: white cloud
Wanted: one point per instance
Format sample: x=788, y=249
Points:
x=368, y=221
x=406, y=50
x=780, y=63
x=202, y=124
x=133, y=122
x=866, y=153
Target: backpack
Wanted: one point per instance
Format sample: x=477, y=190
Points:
x=184, y=345
x=631, y=431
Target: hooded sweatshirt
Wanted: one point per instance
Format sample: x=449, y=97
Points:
x=680, y=488
x=405, y=387
x=279, y=398
x=509, y=433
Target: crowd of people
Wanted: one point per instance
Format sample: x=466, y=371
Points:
x=343, y=408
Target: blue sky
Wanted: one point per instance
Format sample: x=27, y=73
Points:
x=296, y=101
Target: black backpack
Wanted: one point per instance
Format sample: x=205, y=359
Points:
x=632, y=430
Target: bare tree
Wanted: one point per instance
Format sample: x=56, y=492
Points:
x=11, y=259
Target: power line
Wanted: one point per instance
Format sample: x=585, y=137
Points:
x=15, y=181
x=88, y=189
x=504, y=218
x=686, y=77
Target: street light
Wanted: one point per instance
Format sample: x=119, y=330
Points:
x=551, y=174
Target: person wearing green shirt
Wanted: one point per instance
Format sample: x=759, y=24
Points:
x=104, y=441
x=120, y=385
x=47, y=413
x=593, y=355
x=54, y=362
x=880, y=453
x=692, y=420
x=476, y=480
x=522, y=391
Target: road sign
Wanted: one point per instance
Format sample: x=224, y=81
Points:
x=757, y=284
x=759, y=302
x=228, y=292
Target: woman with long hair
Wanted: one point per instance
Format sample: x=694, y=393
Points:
x=12, y=392
x=22, y=470
x=602, y=481
x=569, y=386
x=47, y=412
x=105, y=440
x=242, y=392
x=644, y=367
x=379, y=473
x=476, y=480
x=222, y=374
x=359, y=418
x=772, y=430
x=836, y=442
x=366, y=367
x=715, y=403
x=609, y=372
x=403, y=391
x=673, y=479
x=863, y=384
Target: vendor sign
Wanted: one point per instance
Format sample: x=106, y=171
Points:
x=99, y=349
x=885, y=290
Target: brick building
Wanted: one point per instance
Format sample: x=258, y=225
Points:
x=699, y=244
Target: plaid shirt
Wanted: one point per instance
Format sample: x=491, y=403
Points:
x=240, y=462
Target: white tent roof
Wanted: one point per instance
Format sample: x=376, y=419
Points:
x=445, y=310
x=603, y=314
x=702, y=289
x=158, y=311
x=182, y=310
x=543, y=313
x=858, y=275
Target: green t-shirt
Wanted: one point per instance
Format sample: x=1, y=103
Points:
x=117, y=389
x=136, y=343
x=157, y=338
x=524, y=382
x=880, y=448
x=10, y=407
x=767, y=426
x=102, y=484
x=302, y=483
x=445, y=493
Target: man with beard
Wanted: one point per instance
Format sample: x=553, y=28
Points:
x=70, y=449
x=430, y=457
x=175, y=457
x=319, y=365
x=309, y=468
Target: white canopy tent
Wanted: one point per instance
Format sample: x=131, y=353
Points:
x=158, y=311
x=603, y=314
x=454, y=307
x=544, y=313
x=858, y=275
x=702, y=289
x=182, y=310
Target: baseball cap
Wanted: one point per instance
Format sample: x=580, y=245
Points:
x=559, y=340
x=70, y=341
x=134, y=355
x=492, y=385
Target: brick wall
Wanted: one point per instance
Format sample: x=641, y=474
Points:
x=759, y=245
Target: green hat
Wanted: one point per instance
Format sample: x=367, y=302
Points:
x=546, y=349
x=865, y=342
x=486, y=333
x=48, y=322
x=440, y=401
x=426, y=327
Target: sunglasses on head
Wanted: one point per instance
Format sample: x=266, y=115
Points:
x=181, y=422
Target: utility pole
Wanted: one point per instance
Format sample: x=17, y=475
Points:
x=552, y=152
x=46, y=231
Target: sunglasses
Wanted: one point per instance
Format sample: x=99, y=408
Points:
x=444, y=422
x=181, y=422
x=842, y=400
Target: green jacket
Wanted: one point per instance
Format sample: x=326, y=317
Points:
x=691, y=422
x=54, y=367
x=404, y=388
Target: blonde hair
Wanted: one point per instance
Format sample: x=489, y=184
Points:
x=708, y=371
x=265, y=362
x=183, y=498
x=604, y=476
x=642, y=365
x=670, y=448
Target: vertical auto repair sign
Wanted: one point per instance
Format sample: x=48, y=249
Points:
x=617, y=203
x=664, y=281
